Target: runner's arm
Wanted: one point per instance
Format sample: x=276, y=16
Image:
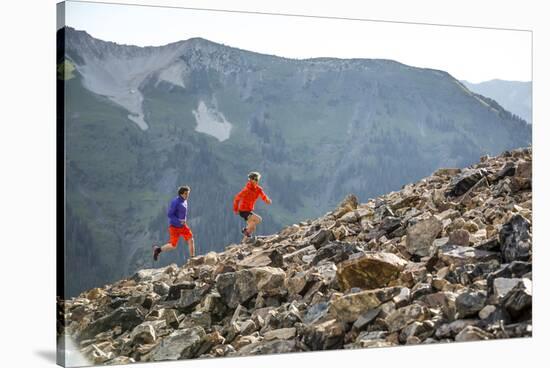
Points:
x=264, y=197
x=236, y=201
x=172, y=212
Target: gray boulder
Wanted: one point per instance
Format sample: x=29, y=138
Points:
x=190, y=298
x=515, y=239
x=280, y=334
x=519, y=300
x=444, y=300
x=470, y=303
x=472, y=333
x=126, y=318
x=502, y=286
x=461, y=183
x=175, y=290
x=403, y=316
x=236, y=287
x=516, y=269
x=420, y=236
x=420, y=330
x=328, y=335
x=274, y=347
x=334, y=252
x=316, y=312
x=457, y=255
x=524, y=170
x=180, y=344
x=460, y=237
x=321, y=237
x=365, y=318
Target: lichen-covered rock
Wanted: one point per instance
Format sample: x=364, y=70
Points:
x=180, y=344
x=444, y=300
x=472, y=333
x=237, y=287
x=327, y=335
x=450, y=330
x=260, y=259
x=349, y=203
x=274, y=347
x=119, y=360
x=447, y=171
x=458, y=255
x=419, y=330
x=296, y=283
x=370, y=270
x=420, y=236
x=460, y=237
x=280, y=334
x=143, y=333
x=349, y=307
x=126, y=318
x=269, y=280
x=403, y=316
x=524, y=170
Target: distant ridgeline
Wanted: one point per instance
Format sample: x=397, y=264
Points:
x=142, y=120
x=515, y=97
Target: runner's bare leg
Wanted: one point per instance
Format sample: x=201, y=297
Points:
x=191, y=243
x=168, y=247
x=253, y=220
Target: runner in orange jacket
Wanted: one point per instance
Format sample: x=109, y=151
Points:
x=243, y=204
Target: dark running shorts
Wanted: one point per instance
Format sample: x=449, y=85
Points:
x=245, y=214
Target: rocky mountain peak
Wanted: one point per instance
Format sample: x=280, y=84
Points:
x=447, y=258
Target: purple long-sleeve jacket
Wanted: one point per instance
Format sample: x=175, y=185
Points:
x=177, y=211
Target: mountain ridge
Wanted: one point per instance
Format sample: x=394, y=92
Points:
x=515, y=96
x=210, y=42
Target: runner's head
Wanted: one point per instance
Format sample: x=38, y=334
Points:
x=254, y=177
x=184, y=191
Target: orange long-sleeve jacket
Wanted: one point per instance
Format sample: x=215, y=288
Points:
x=245, y=199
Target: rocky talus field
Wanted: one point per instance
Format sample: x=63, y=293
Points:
x=445, y=259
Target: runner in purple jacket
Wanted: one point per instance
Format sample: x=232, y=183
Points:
x=177, y=214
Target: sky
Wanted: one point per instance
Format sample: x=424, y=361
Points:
x=467, y=53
